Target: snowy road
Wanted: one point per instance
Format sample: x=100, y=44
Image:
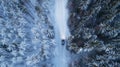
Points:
x=61, y=32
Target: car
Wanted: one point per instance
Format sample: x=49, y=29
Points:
x=63, y=41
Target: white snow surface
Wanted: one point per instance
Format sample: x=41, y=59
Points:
x=27, y=36
x=61, y=16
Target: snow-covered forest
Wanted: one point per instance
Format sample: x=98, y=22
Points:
x=59, y=33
